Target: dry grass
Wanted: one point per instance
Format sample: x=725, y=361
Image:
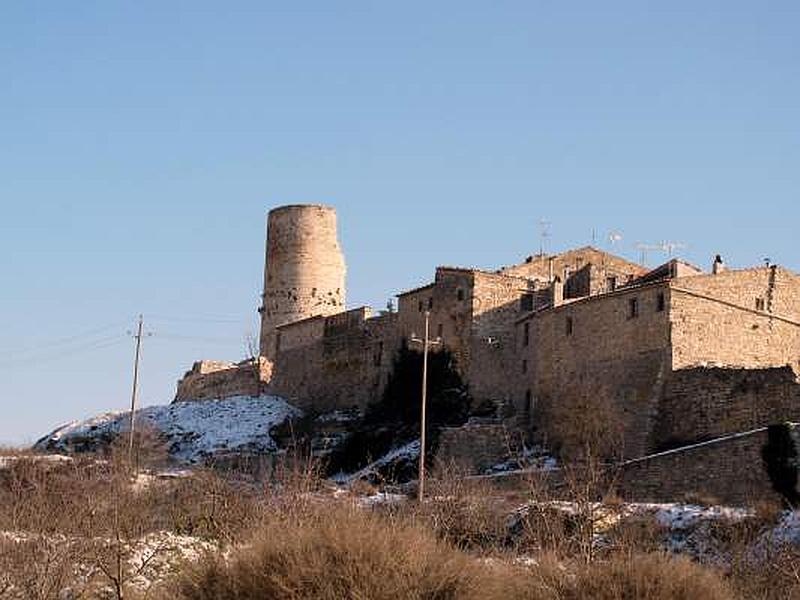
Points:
x=640, y=576
x=337, y=552
x=291, y=539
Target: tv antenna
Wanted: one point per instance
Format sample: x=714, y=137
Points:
x=544, y=233
x=644, y=249
x=667, y=248
x=670, y=247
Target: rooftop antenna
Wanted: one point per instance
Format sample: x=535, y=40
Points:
x=544, y=233
x=644, y=249
x=670, y=247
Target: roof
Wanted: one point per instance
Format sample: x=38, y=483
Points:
x=416, y=289
x=596, y=297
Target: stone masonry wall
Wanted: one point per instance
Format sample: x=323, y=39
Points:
x=473, y=447
x=747, y=318
x=496, y=306
x=703, y=403
x=571, y=267
x=215, y=380
x=610, y=352
x=338, y=361
x=728, y=472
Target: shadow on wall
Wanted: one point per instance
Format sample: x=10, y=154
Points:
x=394, y=420
x=780, y=455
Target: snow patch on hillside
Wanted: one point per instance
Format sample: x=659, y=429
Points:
x=194, y=430
x=406, y=452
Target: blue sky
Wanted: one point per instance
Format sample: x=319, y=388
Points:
x=141, y=145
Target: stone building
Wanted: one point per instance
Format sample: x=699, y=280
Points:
x=670, y=355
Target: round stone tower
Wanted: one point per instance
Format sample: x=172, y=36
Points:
x=304, y=271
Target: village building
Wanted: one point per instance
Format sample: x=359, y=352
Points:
x=664, y=357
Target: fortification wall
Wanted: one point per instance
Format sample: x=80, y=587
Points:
x=602, y=358
x=333, y=362
x=704, y=403
x=747, y=318
x=304, y=274
x=730, y=472
x=216, y=380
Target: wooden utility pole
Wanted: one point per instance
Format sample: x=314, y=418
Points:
x=138, y=337
x=426, y=343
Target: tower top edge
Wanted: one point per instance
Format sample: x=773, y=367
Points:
x=300, y=207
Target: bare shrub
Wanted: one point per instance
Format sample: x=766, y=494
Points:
x=464, y=512
x=652, y=576
x=337, y=552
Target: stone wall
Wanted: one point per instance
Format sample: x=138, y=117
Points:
x=334, y=362
x=496, y=306
x=601, y=357
x=473, y=447
x=216, y=380
x=606, y=272
x=704, y=403
x=729, y=472
x=748, y=318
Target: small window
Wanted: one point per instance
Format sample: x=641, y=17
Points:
x=420, y=306
x=460, y=295
x=440, y=331
x=760, y=304
x=524, y=366
x=611, y=284
x=633, y=308
x=526, y=334
x=526, y=302
x=378, y=355
x=570, y=326
x=430, y=303
x=528, y=402
x=278, y=341
x=661, y=302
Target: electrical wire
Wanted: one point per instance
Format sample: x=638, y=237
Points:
x=65, y=341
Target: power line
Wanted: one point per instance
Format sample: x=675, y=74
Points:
x=64, y=354
x=65, y=341
x=198, y=319
x=196, y=338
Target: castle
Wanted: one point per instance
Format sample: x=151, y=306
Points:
x=678, y=356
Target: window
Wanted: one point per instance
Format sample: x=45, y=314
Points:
x=526, y=334
x=526, y=302
x=378, y=355
x=524, y=366
x=430, y=303
x=528, y=402
x=278, y=341
x=570, y=326
x=759, y=304
x=611, y=284
x=633, y=308
x=660, y=302
x=439, y=331
x=460, y=295
x=420, y=306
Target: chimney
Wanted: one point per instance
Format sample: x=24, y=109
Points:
x=558, y=292
x=718, y=266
